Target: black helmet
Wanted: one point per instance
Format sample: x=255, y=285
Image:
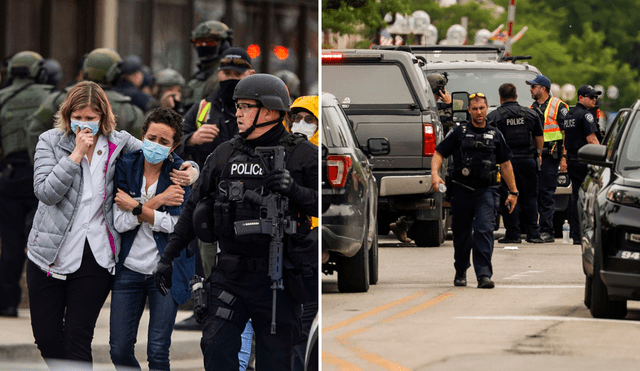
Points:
x=102, y=65
x=437, y=81
x=27, y=64
x=54, y=71
x=267, y=89
x=210, y=39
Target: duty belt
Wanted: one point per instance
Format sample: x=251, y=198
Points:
x=255, y=264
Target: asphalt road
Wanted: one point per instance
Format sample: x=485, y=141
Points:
x=415, y=319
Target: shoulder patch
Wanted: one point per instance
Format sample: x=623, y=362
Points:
x=589, y=117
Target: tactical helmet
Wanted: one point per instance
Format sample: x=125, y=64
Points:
x=291, y=80
x=54, y=71
x=131, y=64
x=267, y=89
x=169, y=77
x=102, y=65
x=27, y=64
x=437, y=81
x=210, y=39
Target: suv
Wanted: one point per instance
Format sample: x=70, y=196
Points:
x=483, y=68
x=349, y=201
x=385, y=94
x=609, y=210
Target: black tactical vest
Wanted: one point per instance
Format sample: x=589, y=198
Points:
x=516, y=133
x=475, y=162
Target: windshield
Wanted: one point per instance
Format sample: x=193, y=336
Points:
x=366, y=84
x=630, y=153
x=488, y=82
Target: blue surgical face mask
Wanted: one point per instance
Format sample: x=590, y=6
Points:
x=153, y=152
x=303, y=128
x=93, y=125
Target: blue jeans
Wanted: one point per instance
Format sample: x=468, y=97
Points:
x=128, y=296
x=473, y=221
x=245, y=349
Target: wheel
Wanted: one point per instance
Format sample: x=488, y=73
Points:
x=353, y=272
x=601, y=305
x=587, y=291
x=427, y=232
x=373, y=261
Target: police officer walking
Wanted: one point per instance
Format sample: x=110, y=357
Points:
x=580, y=128
x=552, y=110
x=477, y=149
x=18, y=101
x=210, y=39
x=522, y=130
x=240, y=285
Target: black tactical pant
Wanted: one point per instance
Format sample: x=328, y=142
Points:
x=253, y=298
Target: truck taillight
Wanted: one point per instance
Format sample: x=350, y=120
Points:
x=338, y=169
x=332, y=57
x=429, y=140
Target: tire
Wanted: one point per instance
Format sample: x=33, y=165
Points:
x=427, y=232
x=601, y=305
x=353, y=272
x=587, y=291
x=373, y=261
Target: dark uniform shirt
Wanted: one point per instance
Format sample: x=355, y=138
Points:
x=221, y=114
x=578, y=125
x=452, y=142
x=138, y=97
x=302, y=163
x=531, y=124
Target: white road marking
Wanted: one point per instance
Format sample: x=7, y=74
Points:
x=548, y=318
x=521, y=275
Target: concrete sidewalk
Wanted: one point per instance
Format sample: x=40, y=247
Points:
x=19, y=352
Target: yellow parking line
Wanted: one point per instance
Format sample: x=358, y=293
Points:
x=367, y=356
x=420, y=307
x=343, y=365
x=373, y=312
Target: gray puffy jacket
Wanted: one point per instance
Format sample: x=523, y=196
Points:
x=57, y=183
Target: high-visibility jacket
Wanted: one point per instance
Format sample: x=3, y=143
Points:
x=551, y=130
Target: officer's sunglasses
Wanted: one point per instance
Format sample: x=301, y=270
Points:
x=477, y=95
x=224, y=62
x=309, y=119
x=246, y=106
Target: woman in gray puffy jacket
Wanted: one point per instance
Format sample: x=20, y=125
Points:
x=72, y=246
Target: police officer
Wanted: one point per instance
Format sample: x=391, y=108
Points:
x=130, y=83
x=18, y=101
x=580, y=128
x=522, y=130
x=552, y=110
x=167, y=89
x=102, y=66
x=477, y=149
x=240, y=285
x=210, y=39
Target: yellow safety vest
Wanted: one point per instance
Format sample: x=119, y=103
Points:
x=203, y=113
x=551, y=130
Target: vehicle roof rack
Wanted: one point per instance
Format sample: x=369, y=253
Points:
x=435, y=53
x=515, y=58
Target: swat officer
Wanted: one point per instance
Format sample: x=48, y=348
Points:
x=167, y=89
x=18, y=101
x=240, y=285
x=130, y=83
x=102, y=66
x=522, y=130
x=580, y=128
x=477, y=149
x=210, y=39
x=552, y=110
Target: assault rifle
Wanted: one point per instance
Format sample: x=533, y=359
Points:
x=273, y=221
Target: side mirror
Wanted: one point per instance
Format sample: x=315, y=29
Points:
x=378, y=146
x=594, y=154
x=460, y=105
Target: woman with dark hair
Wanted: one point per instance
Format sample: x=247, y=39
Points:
x=147, y=207
x=73, y=245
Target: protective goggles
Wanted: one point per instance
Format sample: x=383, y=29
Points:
x=204, y=42
x=225, y=62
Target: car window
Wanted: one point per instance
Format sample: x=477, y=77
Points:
x=488, y=82
x=611, y=138
x=367, y=84
x=335, y=131
x=630, y=153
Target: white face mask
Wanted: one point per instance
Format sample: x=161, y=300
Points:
x=302, y=127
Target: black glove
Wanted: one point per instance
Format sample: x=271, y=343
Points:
x=279, y=181
x=162, y=275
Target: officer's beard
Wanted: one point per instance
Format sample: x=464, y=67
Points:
x=226, y=91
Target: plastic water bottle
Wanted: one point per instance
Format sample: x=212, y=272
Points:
x=442, y=188
x=566, y=232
